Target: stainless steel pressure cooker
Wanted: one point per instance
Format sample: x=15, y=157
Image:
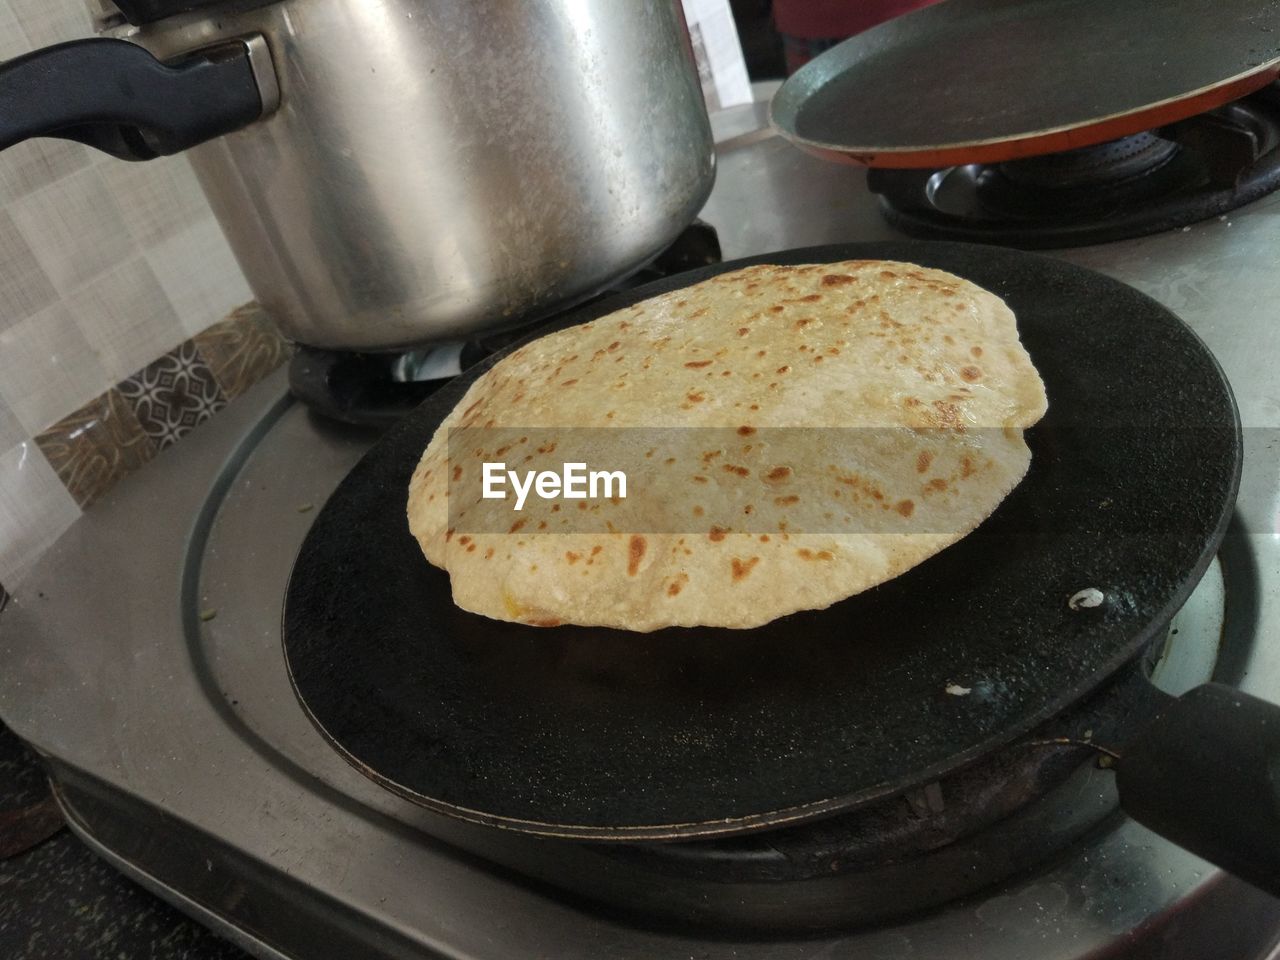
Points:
x=395, y=172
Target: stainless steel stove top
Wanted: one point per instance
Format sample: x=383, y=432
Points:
x=142, y=658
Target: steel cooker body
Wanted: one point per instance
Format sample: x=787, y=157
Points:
x=435, y=169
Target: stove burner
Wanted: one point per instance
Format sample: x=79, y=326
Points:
x=1101, y=165
x=377, y=389
x=1141, y=184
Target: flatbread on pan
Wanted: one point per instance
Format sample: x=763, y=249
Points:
x=793, y=435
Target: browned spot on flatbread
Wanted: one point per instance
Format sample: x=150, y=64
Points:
x=736, y=470
x=836, y=279
x=517, y=525
x=971, y=374
x=699, y=364
x=742, y=567
x=716, y=534
x=457, y=473
x=976, y=351
x=677, y=584
x=923, y=461
x=635, y=553
x=787, y=500
x=905, y=507
x=543, y=622
x=938, y=484
x=572, y=557
x=746, y=431
x=947, y=414
x=804, y=553
x=777, y=475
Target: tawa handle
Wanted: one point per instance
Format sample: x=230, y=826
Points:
x=1206, y=775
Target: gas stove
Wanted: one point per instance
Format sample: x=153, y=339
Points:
x=154, y=686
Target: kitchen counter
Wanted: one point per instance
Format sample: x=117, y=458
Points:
x=58, y=900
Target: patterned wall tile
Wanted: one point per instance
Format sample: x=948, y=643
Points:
x=126, y=317
x=47, y=366
x=24, y=286
x=156, y=199
x=12, y=40
x=199, y=274
x=243, y=349
x=75, y=228
x=52, y=21
x=12, y=432
x=28, y=166
x=96, y=446
x=104, y=266
x=173, y=395
x=35, y=509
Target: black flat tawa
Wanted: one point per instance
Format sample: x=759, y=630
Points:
x=595, y=733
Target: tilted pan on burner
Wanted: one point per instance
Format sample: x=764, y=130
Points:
x=987, y=81
x=1045, y=123
x=694, y=733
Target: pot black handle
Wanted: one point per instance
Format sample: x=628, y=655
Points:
x=117, y=97
x=1206, y=775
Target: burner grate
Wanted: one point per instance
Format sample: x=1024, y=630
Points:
x=377, y=389
x=1102, y=165
x=1137, y=185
